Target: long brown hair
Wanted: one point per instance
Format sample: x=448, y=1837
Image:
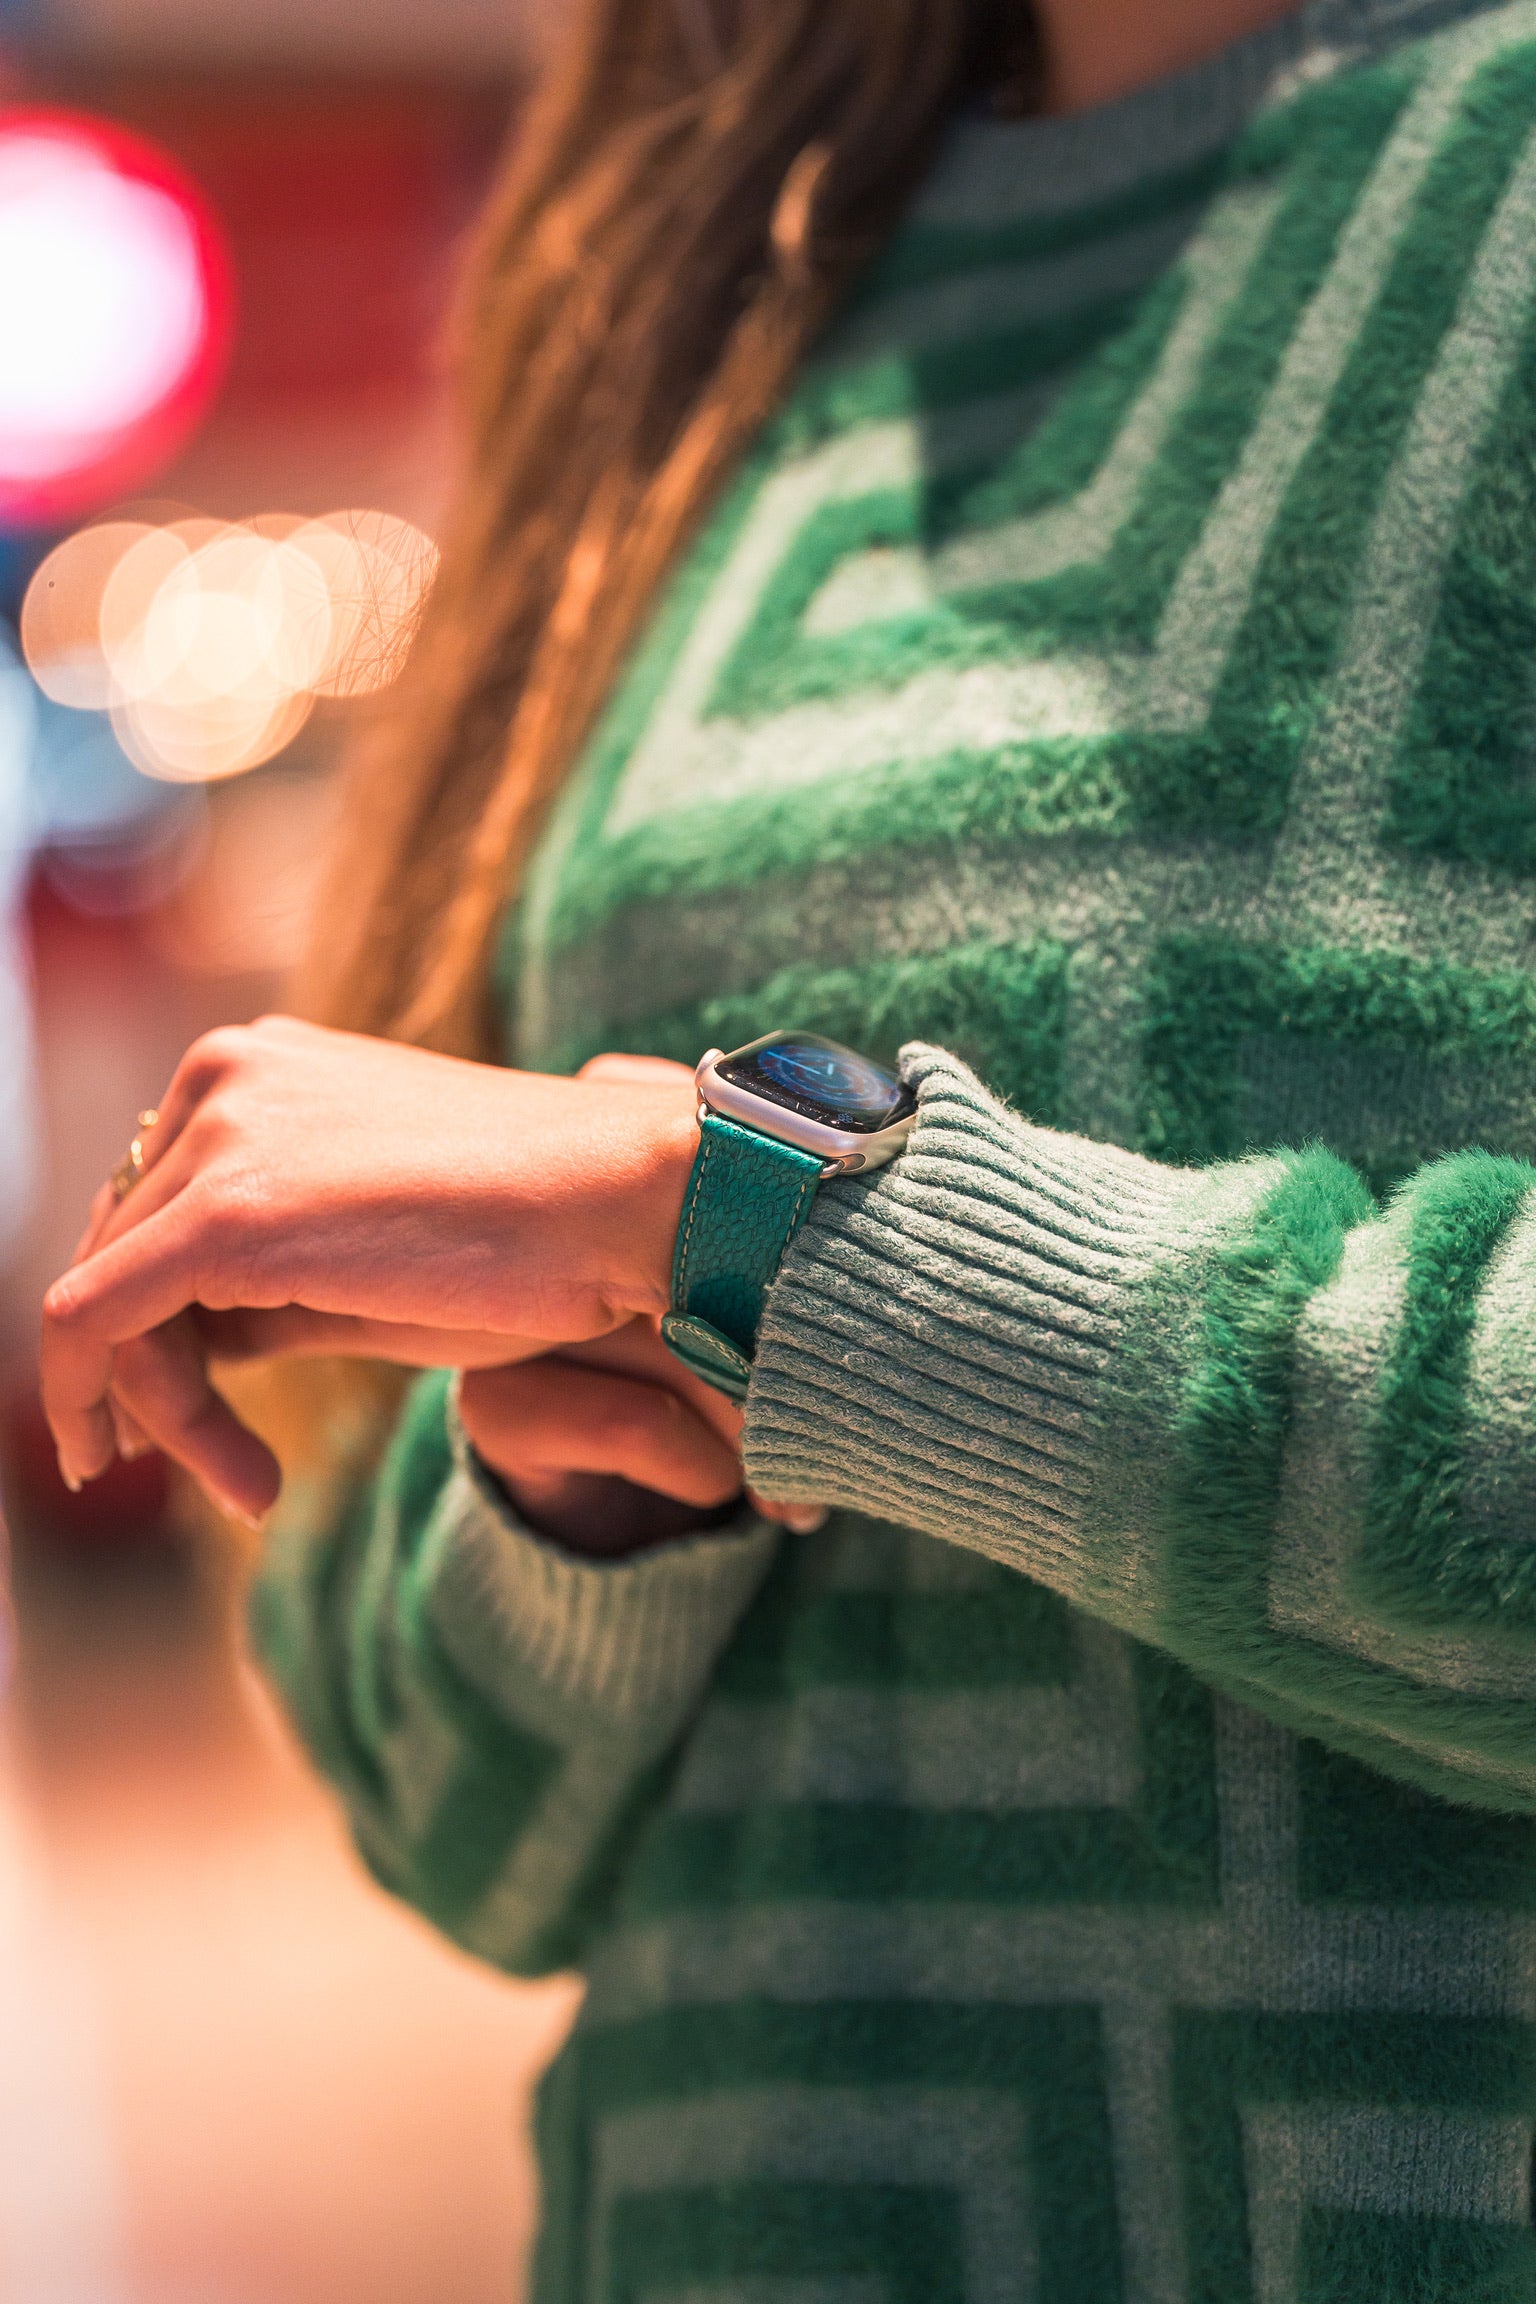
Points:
x=686, y=201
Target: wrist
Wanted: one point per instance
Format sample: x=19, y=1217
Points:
x=778, y=1118
x=599, y=1516
x=651, y=1204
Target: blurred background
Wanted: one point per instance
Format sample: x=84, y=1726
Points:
x=230, y=2071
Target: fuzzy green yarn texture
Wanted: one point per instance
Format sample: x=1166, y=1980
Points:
x=1099, y=1867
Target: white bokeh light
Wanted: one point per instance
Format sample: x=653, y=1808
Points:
x=104, y=300
x=211, y=641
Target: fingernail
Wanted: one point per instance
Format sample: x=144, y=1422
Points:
x=131, y=1450
x=72, y=1481
x=806, y=1519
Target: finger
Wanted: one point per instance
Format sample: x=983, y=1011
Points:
x=108, y=1198
x=161, y=1381
x=173, y=1169
x=293, y=1331
x=550, y=1416
x=205, y=1066
x=622, y=1071
x=637, y=1349
x=125, y=1289
x=799, y=1519
x=103, y=1201
x=132, y=1440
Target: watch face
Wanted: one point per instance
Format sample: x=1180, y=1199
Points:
x=821, y=1081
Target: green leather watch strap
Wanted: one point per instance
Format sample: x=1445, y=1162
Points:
x=746, y=1199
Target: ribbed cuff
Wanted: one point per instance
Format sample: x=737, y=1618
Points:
x=939, y=1346
x=632, y=1641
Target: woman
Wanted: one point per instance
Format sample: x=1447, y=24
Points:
x=1097, y=1862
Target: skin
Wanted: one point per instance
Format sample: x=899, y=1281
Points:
x=317, y=1191
x=312, y=1191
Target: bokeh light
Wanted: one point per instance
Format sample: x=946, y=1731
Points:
x=114, y=292
x=377, y=572
x=61, y=630
x=210, y=641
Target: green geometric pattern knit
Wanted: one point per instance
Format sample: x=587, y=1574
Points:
x=1100, y=1867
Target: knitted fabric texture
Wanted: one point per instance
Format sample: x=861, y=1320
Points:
x=1100, y=1867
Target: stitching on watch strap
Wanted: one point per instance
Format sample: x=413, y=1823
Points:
x=696, y=1186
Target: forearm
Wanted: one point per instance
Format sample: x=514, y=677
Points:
x=1230, y=1411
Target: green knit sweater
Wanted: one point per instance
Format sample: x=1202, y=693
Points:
x=1100, y=1868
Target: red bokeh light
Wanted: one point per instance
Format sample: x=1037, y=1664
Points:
x=83, y=200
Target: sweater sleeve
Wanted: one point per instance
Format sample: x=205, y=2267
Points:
x=496, y=1713
x=1243, y=1413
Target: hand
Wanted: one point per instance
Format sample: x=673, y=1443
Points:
x=606, y=1446
x=613, y=1446
x=295, y=1169
x=163, y=1395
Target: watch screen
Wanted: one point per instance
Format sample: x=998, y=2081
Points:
x=821, y=1081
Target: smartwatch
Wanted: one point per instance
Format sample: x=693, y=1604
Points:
x=776, y=1120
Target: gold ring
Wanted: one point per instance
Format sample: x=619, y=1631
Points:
x=130, y=1169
